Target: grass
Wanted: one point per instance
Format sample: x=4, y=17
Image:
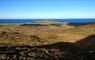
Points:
x=24, y=34
x=46, y=41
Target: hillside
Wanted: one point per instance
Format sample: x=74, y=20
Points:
x=29, y=35
x=41, y=42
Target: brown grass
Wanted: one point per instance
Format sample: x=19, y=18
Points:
x=30, y=35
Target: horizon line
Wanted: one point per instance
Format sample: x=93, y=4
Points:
x=47, y=18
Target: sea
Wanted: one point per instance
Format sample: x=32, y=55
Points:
x=29, y=21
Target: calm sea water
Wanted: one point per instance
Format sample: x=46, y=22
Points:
x=17, y=21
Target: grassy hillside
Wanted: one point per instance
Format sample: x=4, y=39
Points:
x=28, y=35
x=44, y=43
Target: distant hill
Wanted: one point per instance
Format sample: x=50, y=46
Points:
x=46, y=22
x=54, y=23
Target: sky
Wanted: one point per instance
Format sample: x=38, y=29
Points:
x=40, y=9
